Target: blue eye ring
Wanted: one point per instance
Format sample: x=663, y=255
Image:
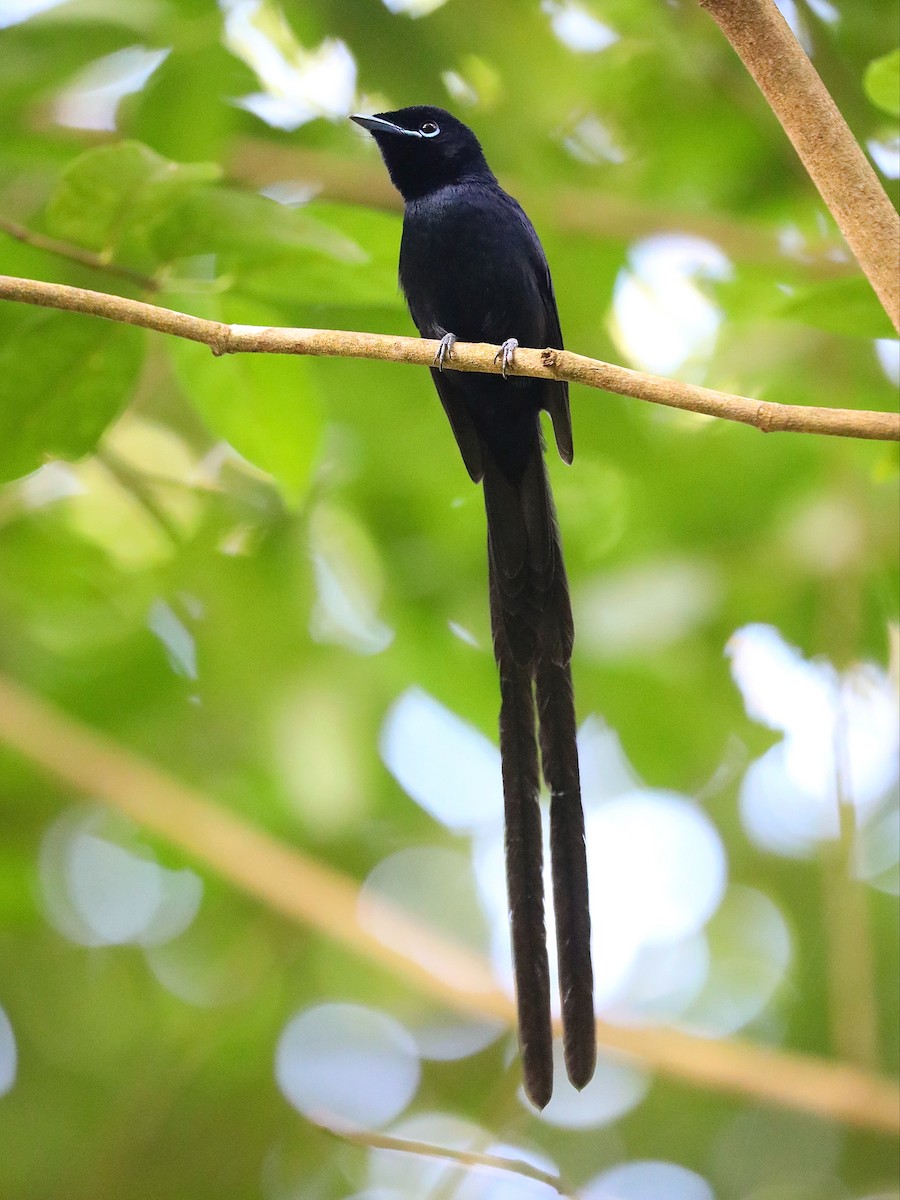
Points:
x=429, y=129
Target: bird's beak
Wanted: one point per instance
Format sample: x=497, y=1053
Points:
x=379, y=125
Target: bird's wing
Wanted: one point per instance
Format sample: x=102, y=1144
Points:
x=556, y=395
x=467, y=437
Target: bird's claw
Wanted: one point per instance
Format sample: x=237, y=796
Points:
x=444, y=350
x=505, y=355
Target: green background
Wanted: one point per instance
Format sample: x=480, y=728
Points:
x=122, y=1088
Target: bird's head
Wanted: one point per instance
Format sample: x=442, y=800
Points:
x=424, y=148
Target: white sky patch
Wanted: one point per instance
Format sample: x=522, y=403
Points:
x=885, y=153
x=888, y=351
x=662, y=318
x=459, y=88
x=349, y=583
x=791, y=13
x=8, y=1054
x=446, y=765
x=578, y=29
x=298, y=85
x=414, y=8
x=841, y=736
x=92, y=100
x=14, y=12
x=825, y=11
x=292, y=193
x=464, y=635
x=165, y=624
x=590, y=141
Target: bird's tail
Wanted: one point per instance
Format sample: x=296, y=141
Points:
x=531, y=620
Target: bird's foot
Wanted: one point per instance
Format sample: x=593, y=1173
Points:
x=445, y=350
x=505, y=355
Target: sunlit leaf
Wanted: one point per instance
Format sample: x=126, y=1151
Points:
x=114, y=194
x=840, y=306
x=264, y=405
x=63, y=379
x=882, y=82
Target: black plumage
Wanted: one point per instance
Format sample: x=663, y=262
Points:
x=472, y=268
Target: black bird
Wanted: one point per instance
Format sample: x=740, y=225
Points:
x=472, y=268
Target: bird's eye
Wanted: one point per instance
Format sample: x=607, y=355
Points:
x=429, y=129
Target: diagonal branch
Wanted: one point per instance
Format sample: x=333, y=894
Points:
x=315, y=895
x=831, y=155
x=538, y=364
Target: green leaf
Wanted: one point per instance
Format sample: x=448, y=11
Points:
x=63, y=379
x=110, y=198
x=882, y=82
x=846, y=306
x=264, y=405
x=245, y=228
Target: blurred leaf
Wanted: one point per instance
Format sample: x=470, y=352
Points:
x=111, y=197
x=242, y=226
x=882, y=82
x=264, y=405
x=352, y=263
x=63, y=379
x=846, y=306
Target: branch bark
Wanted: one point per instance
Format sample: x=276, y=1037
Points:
x=312, y=894
x=831, y=155
x=540, y=364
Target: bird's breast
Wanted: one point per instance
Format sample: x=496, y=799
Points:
x=466, y=268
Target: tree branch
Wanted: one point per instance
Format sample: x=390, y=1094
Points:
x=537, y=364
x=312, y=894
x=837, y=166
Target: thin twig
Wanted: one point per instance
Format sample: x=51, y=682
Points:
x=87, y=258
x=312, y=894
x=831, y=155
x=463, y=1158
x=537, y=364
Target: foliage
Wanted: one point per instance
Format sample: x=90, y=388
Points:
x=236, y=566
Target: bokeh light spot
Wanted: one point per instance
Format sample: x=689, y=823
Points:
x=437, y=885
x=841, y=738
x=648, y=1181
x=102, y=887
x=577, y=28
x=343, y=1063
x=662, y=319
x=8, y=1054
x=750, y=947
x=616, y=1088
